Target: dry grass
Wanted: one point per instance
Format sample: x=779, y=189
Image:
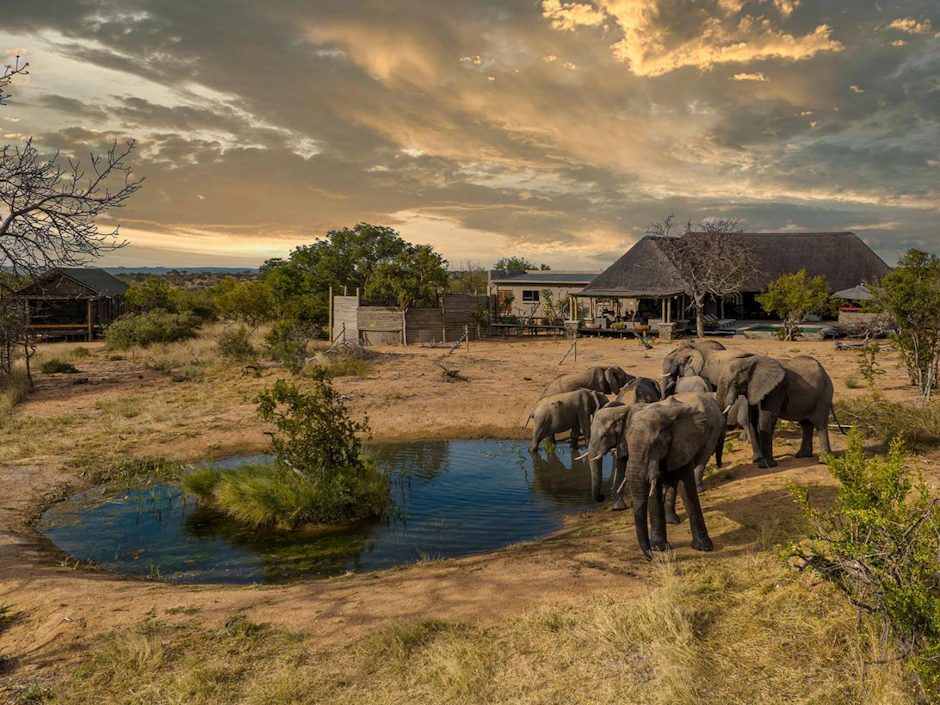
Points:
x=918, y=423
x=13, y=389
x=740, y=630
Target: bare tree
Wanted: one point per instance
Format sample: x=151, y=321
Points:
x=49, y=206
x=714, y=260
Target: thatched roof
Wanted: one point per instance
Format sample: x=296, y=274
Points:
x=842, y=258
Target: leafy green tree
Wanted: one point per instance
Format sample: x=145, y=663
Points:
x=517, y=264
x=249, y=303
x=910, y=295
x=342, y=259
x=793, y=297
x=155, y=293
x=414, y=277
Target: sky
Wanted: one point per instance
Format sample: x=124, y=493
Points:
x=547, y=129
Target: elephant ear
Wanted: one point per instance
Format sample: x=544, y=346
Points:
x=688, y=427
x=693, y=362
x=764, y=376
x=610, y=374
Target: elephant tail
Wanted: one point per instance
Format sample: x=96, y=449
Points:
x=836, y=418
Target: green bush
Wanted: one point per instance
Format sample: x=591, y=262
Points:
x=155, y=294
x=56, y=366
x=319, y=474
x=879, y=544
x=235, y=344
x=143, y=329
x=286, y=343
x=852, y=382
x=80, y=353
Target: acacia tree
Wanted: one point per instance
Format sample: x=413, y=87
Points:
x=714, y=260
x=49, y=210
x=414, y=277
x=517, y=264
x=793, y=297
x=910, y=295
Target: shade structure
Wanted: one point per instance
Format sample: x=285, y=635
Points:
x=856, y=293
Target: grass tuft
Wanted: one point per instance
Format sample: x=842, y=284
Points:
x=852, y=382
x=56, y=366
x=266, y=495
x=917, y=423
x=14, y=388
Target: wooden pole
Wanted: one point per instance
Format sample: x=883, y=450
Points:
x=443, y=318
x=91, y=331
x=331, y=314
x=466, y=335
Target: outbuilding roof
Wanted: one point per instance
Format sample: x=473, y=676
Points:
x=841, y=257
x=96, y=282
x=543, y=277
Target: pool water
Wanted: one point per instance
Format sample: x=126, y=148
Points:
x=452, y=498
x=774, y=329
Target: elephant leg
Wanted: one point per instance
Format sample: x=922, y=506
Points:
x=700, y=539
x=657, y=519
x=575, y=435
x=822, y=427
x=768, y=422
x=640, y=493
x=670, y=505
x=806, y=444
x=538, y=435
x=753, y=433
x=699, y=473
x=617, y=476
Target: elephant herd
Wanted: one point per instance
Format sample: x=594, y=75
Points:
x=663, y=440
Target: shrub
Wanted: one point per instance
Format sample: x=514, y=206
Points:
x=287, y=342
x=155, y=294
x=249, y=303
x=13, y=389
x=319, y=474
x=918, y=424
x=55, y=366
x=852, y=382
x=879, y=544
x=235, y=344
x=80, y=353
x=143, y=329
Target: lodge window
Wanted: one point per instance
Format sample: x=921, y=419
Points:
x=531, y=297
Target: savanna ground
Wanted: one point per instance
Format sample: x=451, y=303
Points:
x=579, y=617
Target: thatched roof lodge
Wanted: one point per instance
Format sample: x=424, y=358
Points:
x=643, y=279
x=69, y=302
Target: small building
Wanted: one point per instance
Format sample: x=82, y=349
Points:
x=521, y=294
x=73, y=302
x=643, y=280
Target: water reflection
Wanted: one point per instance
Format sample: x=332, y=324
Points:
x=452, y=498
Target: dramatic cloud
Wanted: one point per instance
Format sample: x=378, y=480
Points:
x=552, y=129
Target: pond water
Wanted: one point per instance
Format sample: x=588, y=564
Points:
x=452, y=498
x=774, y=329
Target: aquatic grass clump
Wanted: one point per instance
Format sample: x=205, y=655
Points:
x=263, y=495
x=319, y=475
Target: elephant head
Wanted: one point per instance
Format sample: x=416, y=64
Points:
x=607, y=434
x=596, y=400
x=616, y=379
x=753, y=377
x=680, y=363
x=663, y=438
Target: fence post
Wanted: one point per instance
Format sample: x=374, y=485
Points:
x=466, y=335
x=331, y=314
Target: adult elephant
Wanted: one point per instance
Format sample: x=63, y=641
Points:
x=694, y=384
x=609, y=431
x=571, y=411
x=703, y=358
x=794, y=390
x=607, y=380
x=666, y=441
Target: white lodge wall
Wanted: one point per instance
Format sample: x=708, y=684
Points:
x=525, y=308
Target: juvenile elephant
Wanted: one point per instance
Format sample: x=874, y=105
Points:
x=563, y=412
x=795, y=390
x=645, y=390
x=694, y=384
x=703, y=359
x=608, y=432
x=607, y=380
x=665, y=442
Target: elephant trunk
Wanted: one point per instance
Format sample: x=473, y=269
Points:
x=638, y=480
x=597, y=473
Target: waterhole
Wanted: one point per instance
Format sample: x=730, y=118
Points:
x=451, y=498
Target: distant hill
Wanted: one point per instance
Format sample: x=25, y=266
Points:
x=181, y=270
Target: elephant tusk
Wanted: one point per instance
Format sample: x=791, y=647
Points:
x=665, y=375
x=727, y=409
x=599, y=457
x=582, y=456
